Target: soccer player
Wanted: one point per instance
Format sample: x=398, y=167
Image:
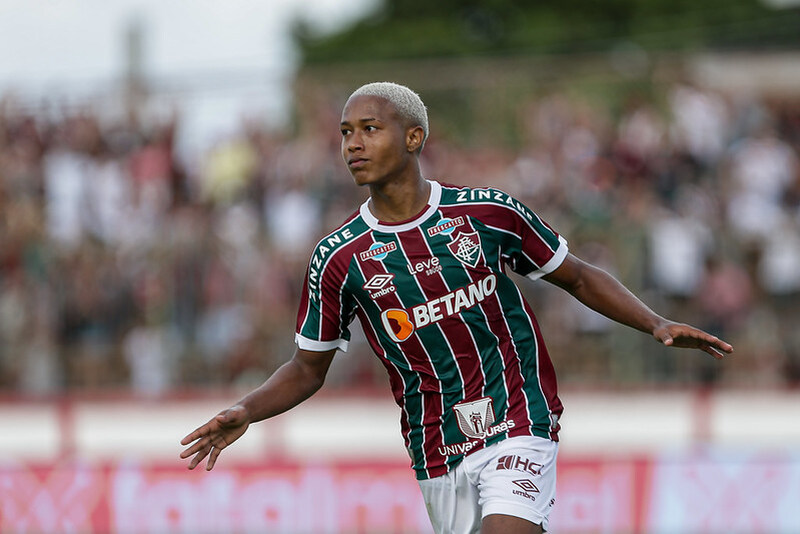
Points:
x=423, y=266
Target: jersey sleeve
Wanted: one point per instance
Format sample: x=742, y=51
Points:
x=531, y=247
x=326, y=308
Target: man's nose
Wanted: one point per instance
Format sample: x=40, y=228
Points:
x=354, y=142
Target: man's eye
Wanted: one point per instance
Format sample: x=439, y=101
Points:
x=345, y=131
x=370, y=128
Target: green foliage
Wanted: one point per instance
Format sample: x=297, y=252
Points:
x=477, y=62
x=408, y=29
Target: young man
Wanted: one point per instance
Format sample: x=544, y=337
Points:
x=422, y=265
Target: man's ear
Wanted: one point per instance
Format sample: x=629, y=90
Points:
x=414, y=138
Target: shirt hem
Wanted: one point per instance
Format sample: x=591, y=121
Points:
x=320, y=346
x=557, y=259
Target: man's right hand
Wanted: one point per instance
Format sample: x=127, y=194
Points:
x=209, y=439
x=291, y=384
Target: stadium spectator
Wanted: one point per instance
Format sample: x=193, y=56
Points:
x=67, y=179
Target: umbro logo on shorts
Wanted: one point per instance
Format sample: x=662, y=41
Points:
x=526, y=485
x=528, y=489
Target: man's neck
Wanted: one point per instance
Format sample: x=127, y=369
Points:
x=399, y=200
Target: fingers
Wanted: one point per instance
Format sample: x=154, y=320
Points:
x=198, y=445
x=225, y=418
x=199, y=456
x=712, y=351
x=682, y=335
x=212, y=459
x=197, y=433
x=717, y=350
x=726, y=347
x=201, y=449
x=233, y=416
x=715, y=346
x=208, y=440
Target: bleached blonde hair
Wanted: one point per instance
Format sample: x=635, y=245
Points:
x=407, y=103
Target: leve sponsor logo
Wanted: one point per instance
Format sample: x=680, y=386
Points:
x=429, y=267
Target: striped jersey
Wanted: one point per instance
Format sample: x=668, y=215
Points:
x=465, y=356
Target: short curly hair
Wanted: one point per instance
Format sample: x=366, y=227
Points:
x=407, y=103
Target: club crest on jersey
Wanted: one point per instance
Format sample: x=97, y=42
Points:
x=378, y=251
x=466, y=248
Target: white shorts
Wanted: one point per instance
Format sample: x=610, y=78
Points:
x=515, y=477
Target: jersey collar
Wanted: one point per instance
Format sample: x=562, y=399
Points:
x=433, y=204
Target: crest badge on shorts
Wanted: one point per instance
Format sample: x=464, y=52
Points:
x=474, y=418
x=466, y=247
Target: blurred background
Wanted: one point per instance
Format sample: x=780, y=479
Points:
x=166, y=167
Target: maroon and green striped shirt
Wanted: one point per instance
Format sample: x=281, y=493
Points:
x=466, y=359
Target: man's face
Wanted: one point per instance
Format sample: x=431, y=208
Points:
x=374, y=140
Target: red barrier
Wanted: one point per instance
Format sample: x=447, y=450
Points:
x=162, y=499
x=688, y=494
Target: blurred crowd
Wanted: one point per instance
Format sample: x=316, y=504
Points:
x=126, y=267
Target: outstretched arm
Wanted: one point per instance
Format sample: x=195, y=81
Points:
x=291, y=384
x=605, y=294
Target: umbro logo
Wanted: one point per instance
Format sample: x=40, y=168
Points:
x=379, y=285
x=526, y=485
x=378, y=282
x=528, y=489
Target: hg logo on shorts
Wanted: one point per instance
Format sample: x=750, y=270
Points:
x=518, y=463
